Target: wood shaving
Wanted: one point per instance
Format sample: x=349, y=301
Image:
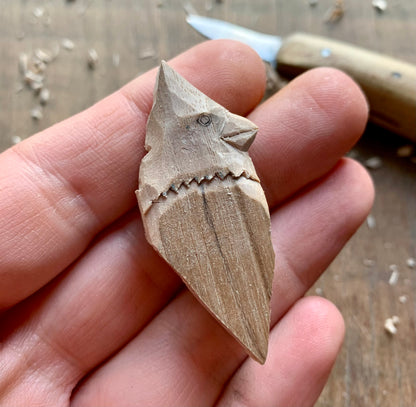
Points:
x=23, y=63
x=67, y=44
x=38, y=12
x=44, y=96
x=405, y=151
x=373, y=163
x=394, y=277
x=43, y=55
x=39, y=66
x=36, y=113
x=411, y=262
x=353, y=154
x=335, y=13
x=30, y=78
x=379, y=5
x=403, y=299
x=390, y=324
x=16, y=139
x=371, y=222
x=36, y=86
x=395, y=319
x=319, y=291
x=92, y=59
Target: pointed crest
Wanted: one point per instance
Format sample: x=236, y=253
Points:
x=176, y=94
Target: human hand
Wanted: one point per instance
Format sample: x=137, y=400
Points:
x=93, y=316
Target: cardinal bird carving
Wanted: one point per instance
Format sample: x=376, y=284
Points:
x=204, y=210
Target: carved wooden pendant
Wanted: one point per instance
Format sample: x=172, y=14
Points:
x=204, y=210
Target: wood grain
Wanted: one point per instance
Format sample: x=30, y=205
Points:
x=203, y=208
x=373, y=368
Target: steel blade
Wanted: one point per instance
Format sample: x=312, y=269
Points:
x=267, y=46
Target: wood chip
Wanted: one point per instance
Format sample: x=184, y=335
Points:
x=379, y=5
x=92, y=59
x=411, y=262
x=335, y=13
x=395, y=319
x=38, y=12
x=23, y=63
x=16, y=139
x=371, y=221
x=44, y=96
x=403, y=299
x=38, y=66
x=67, y=44
x=36, y=113
x=204, y=210
x=30, y=78
x=405, y=151
x=43, y=55
x=373, y=163
x=390, y=324
x=353, y=154
x=394, y=277
x=36, y=86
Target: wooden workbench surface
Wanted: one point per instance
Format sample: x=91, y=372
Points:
x=374, y=368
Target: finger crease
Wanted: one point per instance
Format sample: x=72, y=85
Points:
x=68, y=195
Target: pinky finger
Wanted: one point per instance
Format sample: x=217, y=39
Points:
x=302, y=350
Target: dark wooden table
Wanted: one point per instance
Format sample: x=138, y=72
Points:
x=374, y=368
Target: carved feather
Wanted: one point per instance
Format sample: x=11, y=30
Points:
x=204, y=210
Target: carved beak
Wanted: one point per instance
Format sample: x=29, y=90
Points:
x=239, y=132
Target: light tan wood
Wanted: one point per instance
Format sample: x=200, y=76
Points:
x=388, y=83
x=204, y=210
x=372, y=368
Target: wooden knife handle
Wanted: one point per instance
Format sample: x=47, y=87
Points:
x=388, y=83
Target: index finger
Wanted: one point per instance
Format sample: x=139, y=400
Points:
x=65, y=184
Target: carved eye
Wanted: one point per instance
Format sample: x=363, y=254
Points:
x=204, y=119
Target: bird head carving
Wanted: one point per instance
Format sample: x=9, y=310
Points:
x=190, y=137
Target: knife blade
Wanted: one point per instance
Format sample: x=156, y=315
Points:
x=388, y=83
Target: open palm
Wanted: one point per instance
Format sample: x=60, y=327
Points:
x=92, y=316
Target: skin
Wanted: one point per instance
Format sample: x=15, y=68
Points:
x=92, y=316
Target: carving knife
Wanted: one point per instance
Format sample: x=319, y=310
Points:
x=388, y=83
